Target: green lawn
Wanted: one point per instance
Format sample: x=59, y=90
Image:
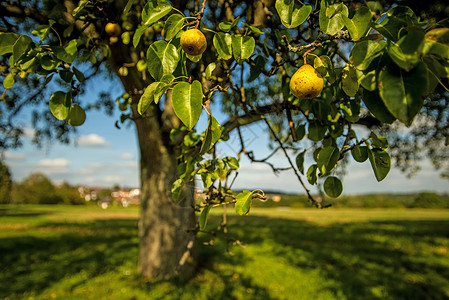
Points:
x=62, y=252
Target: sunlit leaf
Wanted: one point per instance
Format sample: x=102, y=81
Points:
x=162, y=58
x=155, y=10
x=223, y=43
x=77, y=115
x=243, y=202
x=60, y=104
x=213, y=134
x=380, y=162
x=173, y=25
x=327, y=159
x=203, y=217
x=187, y=102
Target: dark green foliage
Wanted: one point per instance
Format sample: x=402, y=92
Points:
x=5, y=183
x=430, y=200
x=38, y=189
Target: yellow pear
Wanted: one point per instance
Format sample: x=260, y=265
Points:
x=113, y=29
x=306, y=83
x=193, y=42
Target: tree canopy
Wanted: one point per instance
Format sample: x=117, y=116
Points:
x=384, y=67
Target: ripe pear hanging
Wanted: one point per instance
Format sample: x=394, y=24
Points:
x=193, y=42
x=306, y=83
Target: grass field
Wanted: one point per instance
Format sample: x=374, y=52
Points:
x=62, y=252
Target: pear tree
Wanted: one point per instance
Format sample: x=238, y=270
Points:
x=310, y=72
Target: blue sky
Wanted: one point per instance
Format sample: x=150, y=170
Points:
x=102, y=155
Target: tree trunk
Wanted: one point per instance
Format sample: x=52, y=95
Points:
x=166, y=229
x=167, y=233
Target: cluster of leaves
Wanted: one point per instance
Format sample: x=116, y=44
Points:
x=27, y=57
x=396, y=61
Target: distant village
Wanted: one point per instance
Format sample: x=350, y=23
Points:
x=122, y=197
x=125, y=197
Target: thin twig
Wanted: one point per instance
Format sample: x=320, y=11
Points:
x=290, y=161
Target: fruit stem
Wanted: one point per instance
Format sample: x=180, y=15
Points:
x=306, y=53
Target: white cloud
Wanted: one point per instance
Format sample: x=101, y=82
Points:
x=92, y=140
x=14, y=156
x=54, y=163
x=127, y=156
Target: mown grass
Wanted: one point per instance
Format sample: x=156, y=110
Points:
x=62, y=252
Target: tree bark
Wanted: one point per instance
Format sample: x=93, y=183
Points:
x=167, y=234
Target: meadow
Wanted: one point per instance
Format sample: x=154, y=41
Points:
x=83, y=252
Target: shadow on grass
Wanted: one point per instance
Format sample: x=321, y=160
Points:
x=376, y=260
x=368, y=260
x=33, y=262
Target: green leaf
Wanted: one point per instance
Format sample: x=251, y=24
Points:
x=196, y=58
x=397, y=18
x=349, y=80
x=300, y=161
x=359, y=153
x=333, y=187
x=9, y=81
x=380, y=162
x=402, y=92
x=257, y=68
x=327, y=159
x=300, y=132
x=187, y=102
x=60, y=104
x=7, y=40
x=436, y=49
x=77, y=115
x=359, y=24
x=147, y=98
x=162, y=58
x=176, y=189
x=66, y=76
x=21, y=47
x=155, y=10
x=378, y=141
x=128, y=6
x=213, y=134
x=351, y=109
x=292, y=13
x=71, y=48
x=80, y=7
x=243, y=202
x=368, y=80
x=331, y=17
x=78, y=74
x=62, y=54
x=311, y=174
x=223, y=44
x=323, y=65
x=377, y=107
x=41, y=31
x=48, y=63
x=138, y=34
x=316, y=131
x=209, y=69
x=364, y=52
x=407, y=52
x=242, y=46
x=227, y=26
x=173, y=25
x=203, y=217
x=232, y=162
